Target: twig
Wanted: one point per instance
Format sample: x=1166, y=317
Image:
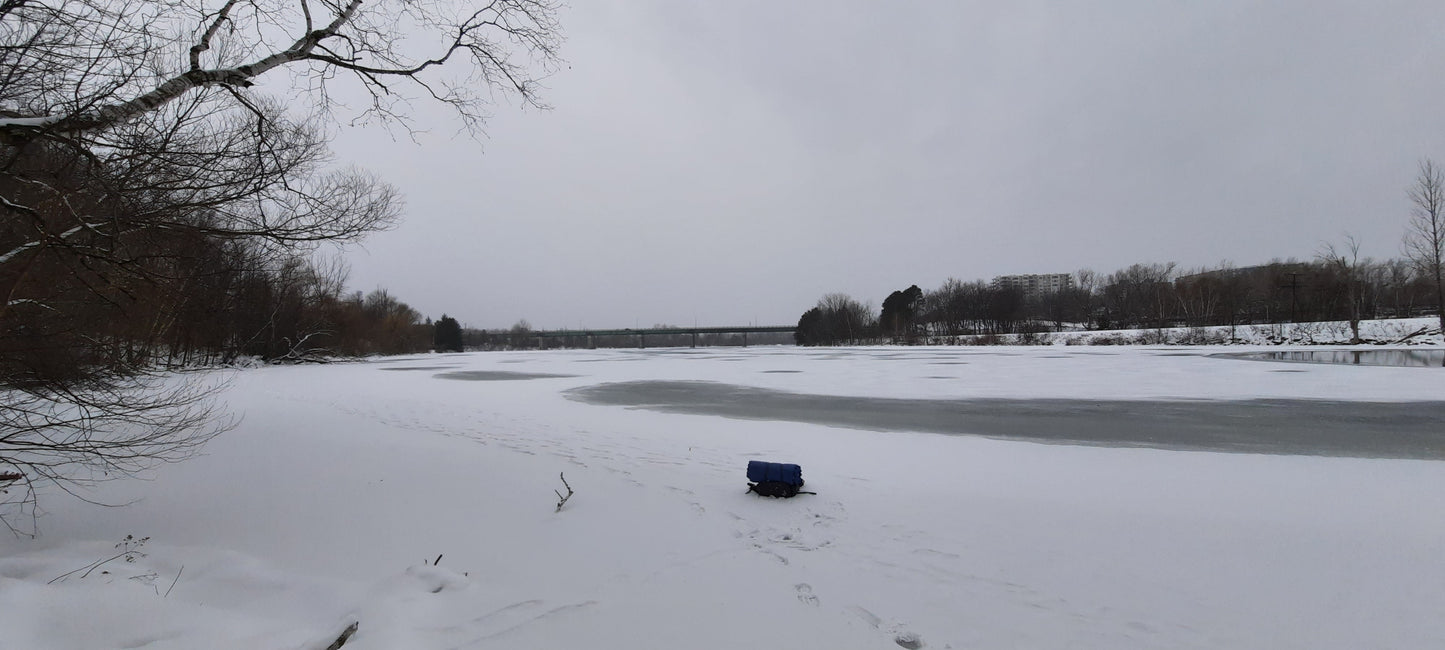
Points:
x=131, y=551
x=563, y=499
x=87, y=568
x=173, y=582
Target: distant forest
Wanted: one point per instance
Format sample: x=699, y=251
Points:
x=1335, y=287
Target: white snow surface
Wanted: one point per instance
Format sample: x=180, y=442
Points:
x=342, y=482
x=1409, y=331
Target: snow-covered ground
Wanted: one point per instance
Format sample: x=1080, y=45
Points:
x=341, y=485
x=1395, y=331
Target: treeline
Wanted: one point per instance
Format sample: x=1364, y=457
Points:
x=195, y=301
x=1333, y=288
x=168, y=277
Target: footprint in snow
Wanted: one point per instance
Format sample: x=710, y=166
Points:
x=805, y=594
x=902, y=636
x=908, y=640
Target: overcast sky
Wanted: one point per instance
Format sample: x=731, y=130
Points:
x=730, y=163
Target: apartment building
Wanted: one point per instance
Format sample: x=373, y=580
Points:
x=1036, y=283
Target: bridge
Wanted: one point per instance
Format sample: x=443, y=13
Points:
x=642, y=334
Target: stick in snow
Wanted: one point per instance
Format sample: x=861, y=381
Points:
x=345, y=636
x=562, y=499
x=173, y=582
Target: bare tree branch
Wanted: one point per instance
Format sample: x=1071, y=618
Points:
x=561, y=498
x=1424, y=242
x=497, y=44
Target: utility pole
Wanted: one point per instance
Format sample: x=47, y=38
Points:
x=1293, y=295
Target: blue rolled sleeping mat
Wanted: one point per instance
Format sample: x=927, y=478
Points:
x=759, y=471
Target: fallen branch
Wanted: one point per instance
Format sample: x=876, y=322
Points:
x=563, y=499
x=1421, y=332
x=345, y=636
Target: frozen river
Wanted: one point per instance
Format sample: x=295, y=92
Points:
x=937, y=521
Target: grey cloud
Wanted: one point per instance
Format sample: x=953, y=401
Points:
x=730, y=162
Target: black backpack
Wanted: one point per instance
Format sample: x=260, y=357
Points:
x=775, y=489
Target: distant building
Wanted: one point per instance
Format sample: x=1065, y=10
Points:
x=1034, y=284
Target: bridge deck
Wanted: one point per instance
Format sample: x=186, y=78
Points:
x=666, y=330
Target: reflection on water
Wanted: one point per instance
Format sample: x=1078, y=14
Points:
x=1404, y=358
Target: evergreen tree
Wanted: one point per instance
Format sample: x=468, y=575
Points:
x=900, y=312
x=448, y=335
x=810, y=328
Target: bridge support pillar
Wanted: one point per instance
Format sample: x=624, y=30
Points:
x=641, y=340
x=694, y=339
x=745, y=339
x=591, y=342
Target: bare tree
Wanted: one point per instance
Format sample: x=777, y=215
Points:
x=944, y=308
x=849, y=320
x=89, y=65
x=158, y=96
x=520, y=335
x=1140, y=295
x=1425, y=237
x=1345, y=261
x=136, y=145
x=837, y=319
